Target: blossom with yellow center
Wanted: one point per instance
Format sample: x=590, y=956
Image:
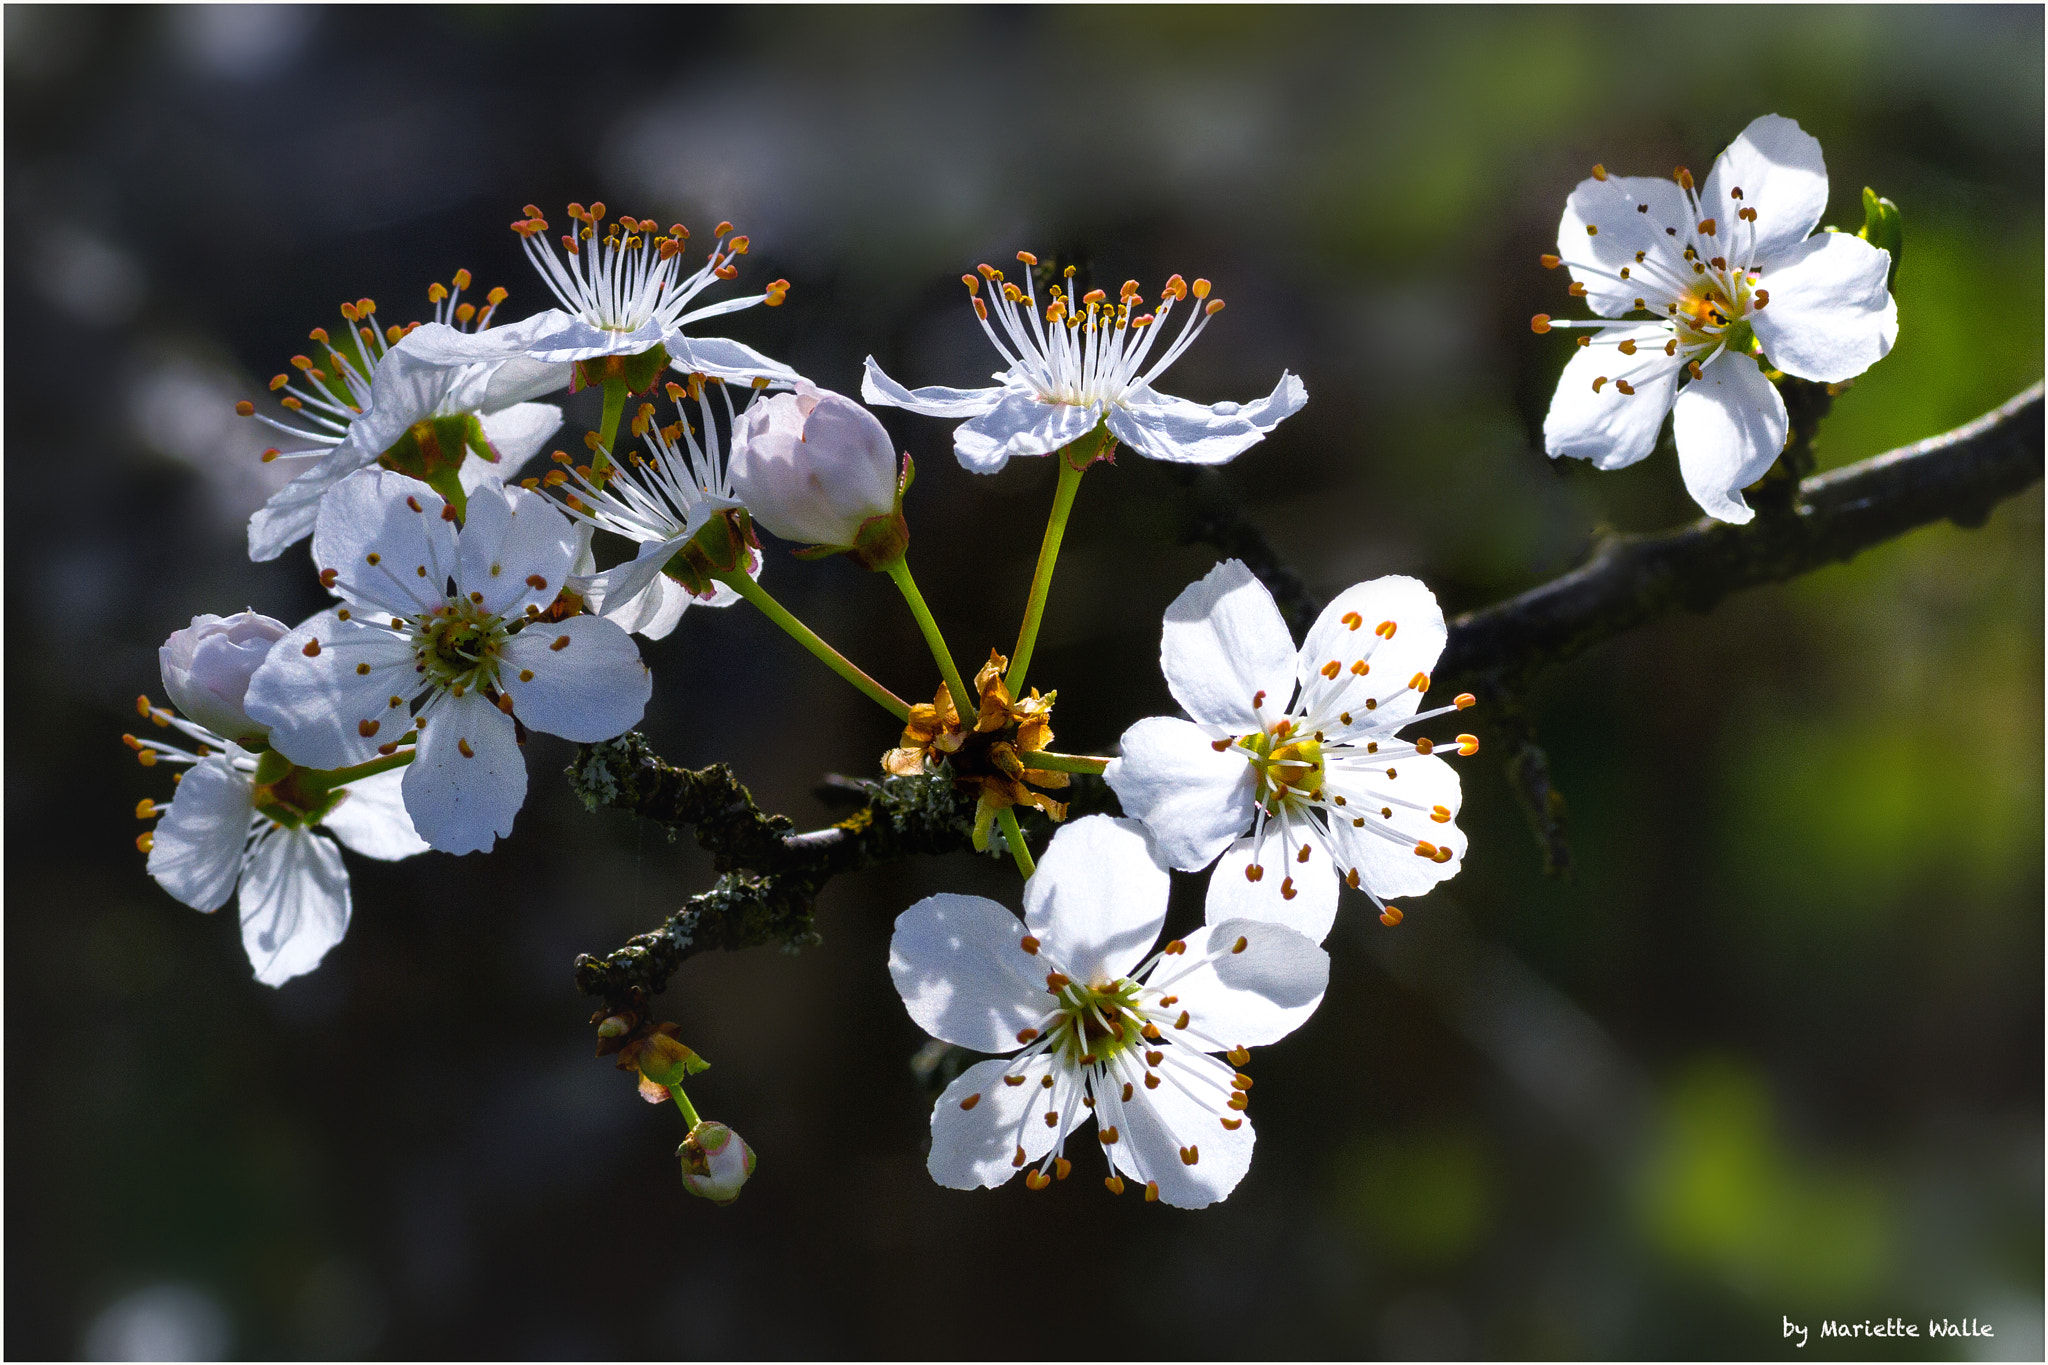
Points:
x=1096, y=1022
x=1725, y=271
x=1292, y=767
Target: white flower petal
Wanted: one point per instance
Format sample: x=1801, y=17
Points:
x=976, y=1147
x=515, y=381
x=1167, y=428
x=1255, y=995
x=1389, y=867
x=1098, y=899
x=515, y=549
x=958, y=963
x=376, y=512
x=294, y=904
x=404, y=389
x=371, y=818
x=1609, y=427
x=656, y=609
x=517, y=433
x=1223, y=644
x=1021, y=424
x=469, y=778
x=1779, y=169
x=1830, y=316
x=934, y=401
x=721, y=358
x=1193, y=799
x=588, y=681
x=1301, y=896
x=1730, y=425
x=1631, y=213
x=1347, y=633
x=289, y=516
x=436, y=343
x=196, y=851
x=318, y=705
x=1185, y=1111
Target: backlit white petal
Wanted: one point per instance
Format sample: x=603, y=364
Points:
x=587, y=680
x=294, y=904
x=1098, y=898
x=1607, y=426
x=1779, y=169
x=1020, y=424
x=469, y=778
x=371, y=818
x=1730, y=425
x=1830, y=316
x=1301, y=896
x=385, y=538
x=1224, y=645
x=933, y=401
x=958, y=964
x=976, y=1146
x=1256, y=994
x=196, y=851
x=323, y=709
x=1191, y=798
x=515, y=550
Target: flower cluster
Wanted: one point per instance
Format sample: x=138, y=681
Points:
x=470, y=611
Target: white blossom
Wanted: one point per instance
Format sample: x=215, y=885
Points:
x=453, y=621
x=214, y=839
x=660, y=502
x=813, y=465
x=1086, y=362
x=1724, y=274
x=1292, y=767
x=1095, y=1022
x=355, y=404
x=623, y=291
x=206, y=668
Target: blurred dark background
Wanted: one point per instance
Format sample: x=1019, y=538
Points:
x=1776, y=1052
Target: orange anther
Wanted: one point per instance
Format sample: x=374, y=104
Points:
x=1468, y=745
x=1385, y=629
x=1599, y=172
x=1390, y=916
x=1027, y=258
x=1540, y=323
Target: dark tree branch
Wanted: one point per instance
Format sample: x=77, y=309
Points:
x=1957, y=476
x=770, y=875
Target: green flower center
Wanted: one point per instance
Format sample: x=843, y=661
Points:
x=1096, y=1022
x=1286, y=766
x=459, y=645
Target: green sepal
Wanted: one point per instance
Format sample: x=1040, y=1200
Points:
x=1884, y=227
x=637, y=372
x=289, y=795
x=432, y=451
x=722, y=547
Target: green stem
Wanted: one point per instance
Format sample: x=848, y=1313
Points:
x=1048, y=555
x=965, y=702
x=1014, y=837
x=683, y=1103
x=608, y=426
x=329, y=780
x=739, y=581
x=1064, y=763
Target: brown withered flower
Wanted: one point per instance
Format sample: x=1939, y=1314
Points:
x=993, y=757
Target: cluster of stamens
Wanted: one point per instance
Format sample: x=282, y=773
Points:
x=1697, y=293
x=1084, y=349
x=1314, y=760
x=622, y=275
x=1111, y=1038
x=150, y=752
x=333, y=391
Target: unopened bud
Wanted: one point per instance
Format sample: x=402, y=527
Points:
x=812, y=466
x=716, y=1162
x=206, y=669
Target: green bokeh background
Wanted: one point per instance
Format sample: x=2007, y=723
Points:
x=1775, y=1053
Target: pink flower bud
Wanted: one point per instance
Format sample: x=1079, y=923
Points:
x=813, y=465
x=206, y=669
x=716, y=1162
